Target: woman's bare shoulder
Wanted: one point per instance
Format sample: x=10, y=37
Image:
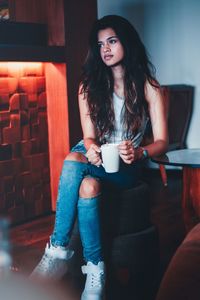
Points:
x=152, y=91
x=82, y=94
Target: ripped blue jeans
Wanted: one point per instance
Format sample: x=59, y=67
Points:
x=70, y=205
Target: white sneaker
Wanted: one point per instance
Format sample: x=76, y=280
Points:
x=95, y=281
x=53, y=264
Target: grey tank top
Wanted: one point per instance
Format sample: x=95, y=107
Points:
x=117, y=135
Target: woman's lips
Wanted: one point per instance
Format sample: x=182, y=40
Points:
x=108, y=57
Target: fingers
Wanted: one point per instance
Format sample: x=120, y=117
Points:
x=127, y=151
x=128, y=159
x=126, y=143
x=93, y=155
x=95, y=148
x=126, y=148
x=95, y=159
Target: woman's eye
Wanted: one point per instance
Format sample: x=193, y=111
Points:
x=100, y=45
x=113, y=41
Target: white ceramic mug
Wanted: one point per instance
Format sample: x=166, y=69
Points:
x=110, y=157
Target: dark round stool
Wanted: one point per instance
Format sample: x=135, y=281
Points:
x=131, y=243
x=125, y=212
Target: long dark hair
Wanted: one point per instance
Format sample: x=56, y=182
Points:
x=98, y=84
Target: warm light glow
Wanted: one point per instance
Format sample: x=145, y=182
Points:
x=19, y=69
x=22, y=84
x=15, y=64
x=18, y=64
x=55, y=69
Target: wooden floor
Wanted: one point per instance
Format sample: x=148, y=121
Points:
x=29, y=239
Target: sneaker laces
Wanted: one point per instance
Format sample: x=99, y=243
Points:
x=95, y=275
x=96, y=280
x=53, y=260
x=45, y=263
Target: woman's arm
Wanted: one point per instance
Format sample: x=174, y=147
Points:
x=158, y=116
x=88, y=129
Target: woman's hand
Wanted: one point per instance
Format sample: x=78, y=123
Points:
x=127, y=152
x=93, y=155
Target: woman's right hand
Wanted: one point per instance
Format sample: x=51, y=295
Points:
x=93, y=155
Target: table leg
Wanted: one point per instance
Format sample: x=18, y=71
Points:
x=163, y=174
x=191, y=197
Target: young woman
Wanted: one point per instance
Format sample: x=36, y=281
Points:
x=118, y=95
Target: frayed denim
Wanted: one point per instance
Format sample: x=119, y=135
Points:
x=69, y=204
x=71, y=177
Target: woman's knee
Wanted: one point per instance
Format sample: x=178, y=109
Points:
x=90, y=187
x=76, y=156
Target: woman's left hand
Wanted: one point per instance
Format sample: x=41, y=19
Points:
x=127, y=152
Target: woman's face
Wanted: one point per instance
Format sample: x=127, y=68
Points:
x=111, y=49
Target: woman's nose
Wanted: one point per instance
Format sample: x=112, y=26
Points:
x=106, y=47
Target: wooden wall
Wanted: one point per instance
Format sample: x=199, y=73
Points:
x=69, y=23
x=24, y=153
x=58, y=124
x=77, y=30
x=49, y=12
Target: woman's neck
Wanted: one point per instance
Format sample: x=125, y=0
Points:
x=118, y=72
x=118, y=76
